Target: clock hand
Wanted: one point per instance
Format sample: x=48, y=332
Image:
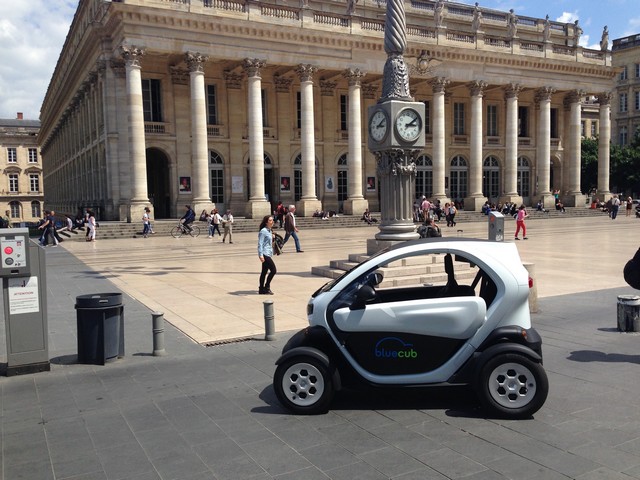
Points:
x=381, y=124
x=411, y=123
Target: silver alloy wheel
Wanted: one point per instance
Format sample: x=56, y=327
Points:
x=303, y=384
x=512, y=385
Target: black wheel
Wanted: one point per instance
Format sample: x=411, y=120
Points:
x=176, y=232
x=303, y=385
x=195, y=231
x=512, y=386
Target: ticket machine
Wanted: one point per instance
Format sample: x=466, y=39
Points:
x=23, y=273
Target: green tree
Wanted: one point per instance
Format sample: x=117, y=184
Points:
x=589, y=174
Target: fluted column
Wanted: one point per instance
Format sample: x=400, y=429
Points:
x=258, y=205
x=139, y=197
x=356, y=202
x=572, y=195
x=604, y=147
x=309, y=202
x=543, y=142
x=475, y=200
x=199, y=138
x=438, y=85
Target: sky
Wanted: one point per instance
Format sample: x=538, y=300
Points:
x=32, y=33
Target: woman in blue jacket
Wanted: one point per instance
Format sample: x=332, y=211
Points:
x=265, y=252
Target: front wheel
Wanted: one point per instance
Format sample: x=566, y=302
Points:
x=512, y=386
x=303, y=385
x=195, y=231
x=176, y=232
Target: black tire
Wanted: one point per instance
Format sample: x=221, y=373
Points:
x=195, y=231
x=512, y=386
x=303, y=385
x=176, y=232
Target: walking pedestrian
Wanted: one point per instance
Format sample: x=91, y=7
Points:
x=91, y=225
x=520, y=216
x=227, y=225
x=216, y=219
x=265, y=254
x=615, y=206
x=291, y=229
x=146, y=222
x=629, y=206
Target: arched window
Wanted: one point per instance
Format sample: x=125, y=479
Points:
x=459, y=175
x=524, y=178
x=424, y=177
x=36, y=212
x=343, y=178
x=491, y=178
x=216, y=166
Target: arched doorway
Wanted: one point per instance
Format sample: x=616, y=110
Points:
x=459, y=173
x=524, y=180
x=158, y=182
x=491, y=179
x=424, y=177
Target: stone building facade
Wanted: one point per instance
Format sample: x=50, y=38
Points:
x=240, y=104
x=626, y=101
x=21, y=182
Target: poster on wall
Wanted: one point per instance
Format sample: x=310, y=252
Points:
x=285, y=184
x=371, y=184
x=237, y=184
x=329, y=184
x=185, y=185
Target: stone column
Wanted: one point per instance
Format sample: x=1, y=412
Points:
x=543, y=145
x=572, y=195
x=309, y=203
x=475, y=200
x=139, y=197
x=355, y=203
x=258, y=206
x=438, y=85
x=511, y=193
x=604, y=146
x=199, y=138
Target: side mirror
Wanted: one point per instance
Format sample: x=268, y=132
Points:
x=365, y=295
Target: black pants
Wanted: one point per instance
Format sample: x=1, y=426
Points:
x=267, y=266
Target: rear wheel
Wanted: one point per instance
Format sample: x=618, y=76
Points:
x=303, y=385
x=195, y=231
x=176, y=232
x=512, y=386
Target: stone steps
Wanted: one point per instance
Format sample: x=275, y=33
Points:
x=111, y=230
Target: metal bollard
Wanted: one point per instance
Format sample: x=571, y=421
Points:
x=269, y=325
x=157, y=319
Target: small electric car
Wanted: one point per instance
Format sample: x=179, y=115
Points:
x=427, y=312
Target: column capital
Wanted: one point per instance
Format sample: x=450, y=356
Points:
x=574, y=96
x=306, y=72
x=370, y=91
x=327, y=88
x=476, y=88
x=604, y=98
x=439, y=84
x=117, y=65
x=233, y=80
x=353, y=75
x=283, y=84
x=512, y=90
x=195, y=61
x=131, y=54
x=252, y=66
x=544, y=93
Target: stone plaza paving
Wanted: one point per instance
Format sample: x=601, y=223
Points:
x=210, y=412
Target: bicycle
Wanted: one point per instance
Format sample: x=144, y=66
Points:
x=180, y=229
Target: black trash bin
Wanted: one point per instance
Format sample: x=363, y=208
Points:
x=100, y=321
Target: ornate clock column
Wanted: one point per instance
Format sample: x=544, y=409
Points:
x=199, y=139
x=396, y=136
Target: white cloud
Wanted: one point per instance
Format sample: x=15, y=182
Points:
x=31, y=37
x=568, y=17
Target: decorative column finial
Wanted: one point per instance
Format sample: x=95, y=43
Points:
x=395, y=83
x=253, y=66
x=131, y=54
x=195, y=61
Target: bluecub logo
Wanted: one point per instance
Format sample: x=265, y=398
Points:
x=393, y=347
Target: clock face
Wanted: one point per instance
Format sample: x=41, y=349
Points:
x=408, y=125
x=378, y=126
